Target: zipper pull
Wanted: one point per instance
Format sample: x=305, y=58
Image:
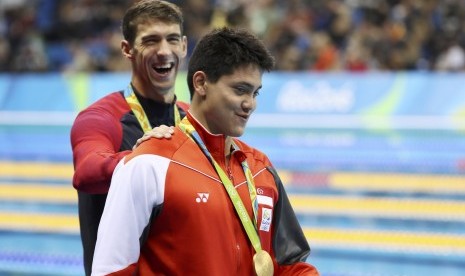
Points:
x=230, y=174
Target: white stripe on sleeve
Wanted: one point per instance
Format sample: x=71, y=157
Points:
x=136, y=187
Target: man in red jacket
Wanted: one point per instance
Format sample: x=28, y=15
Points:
x=106, y=131
x=204, y=202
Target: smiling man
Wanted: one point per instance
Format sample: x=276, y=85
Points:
x=204, y=202
x=106, y=131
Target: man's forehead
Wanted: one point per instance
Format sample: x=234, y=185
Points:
x=157, y=24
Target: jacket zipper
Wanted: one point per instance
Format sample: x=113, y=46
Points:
x=231, y=177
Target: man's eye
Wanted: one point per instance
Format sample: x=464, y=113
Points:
x=150, y=42
x=256, y=93
x=241, y=90
x=174, y=40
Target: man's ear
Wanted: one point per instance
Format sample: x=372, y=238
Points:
x=126, y=49
x=184, y=46
x=199, y=80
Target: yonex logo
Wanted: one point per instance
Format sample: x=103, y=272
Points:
x=202, y=197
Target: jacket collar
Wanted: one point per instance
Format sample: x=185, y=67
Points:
x=215, y=143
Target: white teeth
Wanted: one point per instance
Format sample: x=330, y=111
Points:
x=164, y=66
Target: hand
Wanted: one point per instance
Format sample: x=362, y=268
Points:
x=157, y=132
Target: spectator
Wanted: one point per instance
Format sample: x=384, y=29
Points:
x=78, y=35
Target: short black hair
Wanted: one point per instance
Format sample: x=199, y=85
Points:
x=223, y=50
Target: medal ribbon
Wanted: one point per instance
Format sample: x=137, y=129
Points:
x=139, y=112
x=250, y=228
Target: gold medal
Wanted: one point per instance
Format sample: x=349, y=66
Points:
x=263, y=263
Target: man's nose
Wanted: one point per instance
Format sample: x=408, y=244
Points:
x=249, y=103
x=164, y=48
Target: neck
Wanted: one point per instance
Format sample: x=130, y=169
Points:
x=227, y=146
x=228, y=142
x=153, y=94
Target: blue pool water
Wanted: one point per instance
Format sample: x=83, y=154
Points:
x=24, y=252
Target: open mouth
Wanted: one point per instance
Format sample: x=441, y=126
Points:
x=164, y=69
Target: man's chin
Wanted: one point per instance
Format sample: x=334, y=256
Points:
x=237, y=133
x=164, y=87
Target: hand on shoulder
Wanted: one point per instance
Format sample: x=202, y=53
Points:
x=159, y=132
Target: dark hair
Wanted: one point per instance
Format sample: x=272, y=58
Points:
x=223, y=50
x=148, y=10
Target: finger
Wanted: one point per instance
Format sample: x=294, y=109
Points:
x=140, y=140
x=162, y=128
x=167, y=131
x=136, y=145
x=155, y=134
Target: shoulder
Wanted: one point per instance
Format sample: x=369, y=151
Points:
x=111, y=105
x=253, y=153
x=112, y=102
x=161, y=147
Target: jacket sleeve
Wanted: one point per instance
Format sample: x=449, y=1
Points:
x=96, y=136
x=290, y=245
x=137, y=187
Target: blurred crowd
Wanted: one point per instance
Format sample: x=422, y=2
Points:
x=303, y=35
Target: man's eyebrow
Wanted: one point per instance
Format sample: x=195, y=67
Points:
x=244, y=83
x=248, y=85
x=174, y=35
x=151, y=36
